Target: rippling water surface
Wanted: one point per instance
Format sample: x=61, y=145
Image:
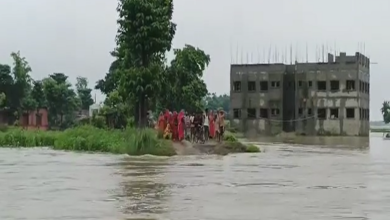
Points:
x=330, y=179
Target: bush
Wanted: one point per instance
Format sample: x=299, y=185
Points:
x=252, y=148
x=89, y=138
x=229, y=137
x=236, y=146
x=3, y=128
x=16, y=137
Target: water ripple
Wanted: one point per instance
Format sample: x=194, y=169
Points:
x=290, y=181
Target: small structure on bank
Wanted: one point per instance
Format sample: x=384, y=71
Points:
x=37, y=119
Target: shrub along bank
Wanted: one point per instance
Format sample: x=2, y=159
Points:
x=88, y=138
x=92, y=139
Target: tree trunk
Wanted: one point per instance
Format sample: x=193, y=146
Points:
x=142, y=111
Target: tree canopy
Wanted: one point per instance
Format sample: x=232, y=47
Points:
x=139, y=79
x=214, y=101
x=20, y=93
x=386, y=111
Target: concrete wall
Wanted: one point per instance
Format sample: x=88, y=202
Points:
x=301, y=104
x=258, y=99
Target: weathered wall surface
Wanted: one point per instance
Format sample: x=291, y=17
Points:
x=258, y=99
x=298, y=104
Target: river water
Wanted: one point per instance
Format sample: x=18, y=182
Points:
x=330, y=179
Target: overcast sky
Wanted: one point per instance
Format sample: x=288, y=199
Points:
x=76, y=36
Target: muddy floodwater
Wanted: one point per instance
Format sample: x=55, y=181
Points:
x=328, y=178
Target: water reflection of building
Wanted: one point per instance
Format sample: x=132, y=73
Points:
x=329, y=97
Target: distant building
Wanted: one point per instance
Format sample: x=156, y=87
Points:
x=94, y=108
x=310, y=98
x=35, y=119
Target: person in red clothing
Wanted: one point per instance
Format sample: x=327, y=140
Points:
x=161, y=122
x=181, y=125
x=174, y=125
x=211, y=124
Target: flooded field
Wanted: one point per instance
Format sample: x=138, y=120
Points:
x=336, y=178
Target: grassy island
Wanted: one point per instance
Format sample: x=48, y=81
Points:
x=91, y=139
x=88, y=138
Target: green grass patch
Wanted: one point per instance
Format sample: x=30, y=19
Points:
x=250, y=148
x=379, y=130
x=88, y=138
x=231, y=140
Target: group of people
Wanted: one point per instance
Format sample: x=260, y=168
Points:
x=195, y=126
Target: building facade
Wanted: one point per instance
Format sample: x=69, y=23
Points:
x=326, y=98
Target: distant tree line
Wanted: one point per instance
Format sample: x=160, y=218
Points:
x=20, y=93
x=138, y=80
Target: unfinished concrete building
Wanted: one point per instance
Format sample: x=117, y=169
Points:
x=326, y=98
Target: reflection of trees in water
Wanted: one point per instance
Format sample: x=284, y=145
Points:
x=143, y=190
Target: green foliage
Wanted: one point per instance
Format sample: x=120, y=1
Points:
x=15, y=137
x=379, y=130
x=250, y=148
x=214, y=102
x=183, y=86
x=111, y=80
x=386, y=111
x=229, y=137
x=139, y=80
x=145, y=34
x=22, y=94
x=116, y=110
x=2, y=99
x=38, y=95
x=61, y=99
x=84, y=93
x=98, y=121
x=88, y=138
x=232, y=143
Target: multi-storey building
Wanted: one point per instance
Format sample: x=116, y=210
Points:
x=329, y=98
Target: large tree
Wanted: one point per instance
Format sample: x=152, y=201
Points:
x=111, y=80
x=61, y=99
x=386, y=111
x=6, y=84
x=2, y=100
x=84, y=93
x=145, y=34
x=38, y=95
x=22, y=80
x=183, y=87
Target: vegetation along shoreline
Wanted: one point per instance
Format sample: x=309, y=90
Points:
x=51, y=112
x=88, y=138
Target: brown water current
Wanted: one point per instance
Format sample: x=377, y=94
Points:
x=327, y=178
